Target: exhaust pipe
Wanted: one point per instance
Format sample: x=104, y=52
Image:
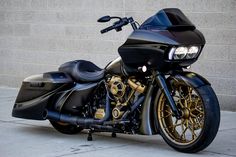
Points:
x=75, y=120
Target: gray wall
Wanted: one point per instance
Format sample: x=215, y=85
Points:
x=39, y=35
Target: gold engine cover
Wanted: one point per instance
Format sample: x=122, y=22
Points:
x=100, y=113
x=117, y=87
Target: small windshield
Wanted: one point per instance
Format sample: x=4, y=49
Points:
x=171, y=18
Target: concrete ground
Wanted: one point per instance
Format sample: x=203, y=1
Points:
x=26, y=138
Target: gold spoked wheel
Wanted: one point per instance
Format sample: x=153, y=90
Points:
x=186, y=130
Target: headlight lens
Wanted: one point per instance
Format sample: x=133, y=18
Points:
x=192, y=52
x=180, y=53
x=183, y=52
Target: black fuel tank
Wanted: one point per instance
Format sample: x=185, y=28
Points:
x=117, y=67
x=114, y=67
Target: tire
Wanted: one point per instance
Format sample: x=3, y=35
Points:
x=65, y=128
x=209, y=124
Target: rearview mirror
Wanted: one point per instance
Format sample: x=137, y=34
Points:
x=104, y=19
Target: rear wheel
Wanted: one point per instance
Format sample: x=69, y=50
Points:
x=66, y=128
x=200, y=117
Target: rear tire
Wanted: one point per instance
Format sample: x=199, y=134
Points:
x=209, y=128
x=66, y=128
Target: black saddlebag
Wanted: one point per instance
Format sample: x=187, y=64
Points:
x=36, y=91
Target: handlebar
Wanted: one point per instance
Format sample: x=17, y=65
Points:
x=119, y=24
x=107, y=29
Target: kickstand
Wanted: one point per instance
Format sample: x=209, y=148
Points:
x=90, y=137
x=113, y=134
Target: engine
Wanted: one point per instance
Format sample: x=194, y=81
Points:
x=123, y=92
x=117, y=87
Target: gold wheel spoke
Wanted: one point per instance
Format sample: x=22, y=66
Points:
x=183, y=136
x=196, y=119
x=191, y=114
x=189, y=104
x=193, y=133
x=199, y=123
x=190, y=90
x=175, y=125
x=183, y=130
x=201, y=112
x=168, y=111
x=192, y=128
x=186, y=123
x=185, y=103
x=181, y=104
x=191, y=120
x=190, y=96
x=169, y=114
x=196, y=101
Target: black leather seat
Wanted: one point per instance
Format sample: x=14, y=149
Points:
x=82, y=71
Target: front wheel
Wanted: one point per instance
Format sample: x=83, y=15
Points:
x=200, y=119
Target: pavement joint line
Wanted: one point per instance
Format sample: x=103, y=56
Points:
x=10, y=121
x=220, y=153
x=93, y=150
x=226, y=129
x=132, y=140
x=17, y=122
x=7, y=97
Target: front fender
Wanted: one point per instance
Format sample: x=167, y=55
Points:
x=190, y=78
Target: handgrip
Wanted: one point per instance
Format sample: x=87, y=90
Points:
x=107, y=29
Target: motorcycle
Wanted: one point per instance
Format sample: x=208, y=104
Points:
x=147, y=90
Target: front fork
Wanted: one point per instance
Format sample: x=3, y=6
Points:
x=161, y=81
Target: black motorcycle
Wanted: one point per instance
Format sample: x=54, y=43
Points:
x=147, y=90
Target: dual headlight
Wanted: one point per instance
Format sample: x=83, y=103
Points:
x=183, y=52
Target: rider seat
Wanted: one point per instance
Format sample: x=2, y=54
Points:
x=82, y=71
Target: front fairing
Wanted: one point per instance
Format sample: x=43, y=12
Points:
x=150, y=44
x=166, y=37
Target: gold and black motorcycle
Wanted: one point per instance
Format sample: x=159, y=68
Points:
x=147, y=90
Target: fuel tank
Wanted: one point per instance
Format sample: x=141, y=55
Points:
x=117, y=67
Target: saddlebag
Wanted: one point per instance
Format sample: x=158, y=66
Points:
x=36, y=92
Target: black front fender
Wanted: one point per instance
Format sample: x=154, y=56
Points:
x=190, y=78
